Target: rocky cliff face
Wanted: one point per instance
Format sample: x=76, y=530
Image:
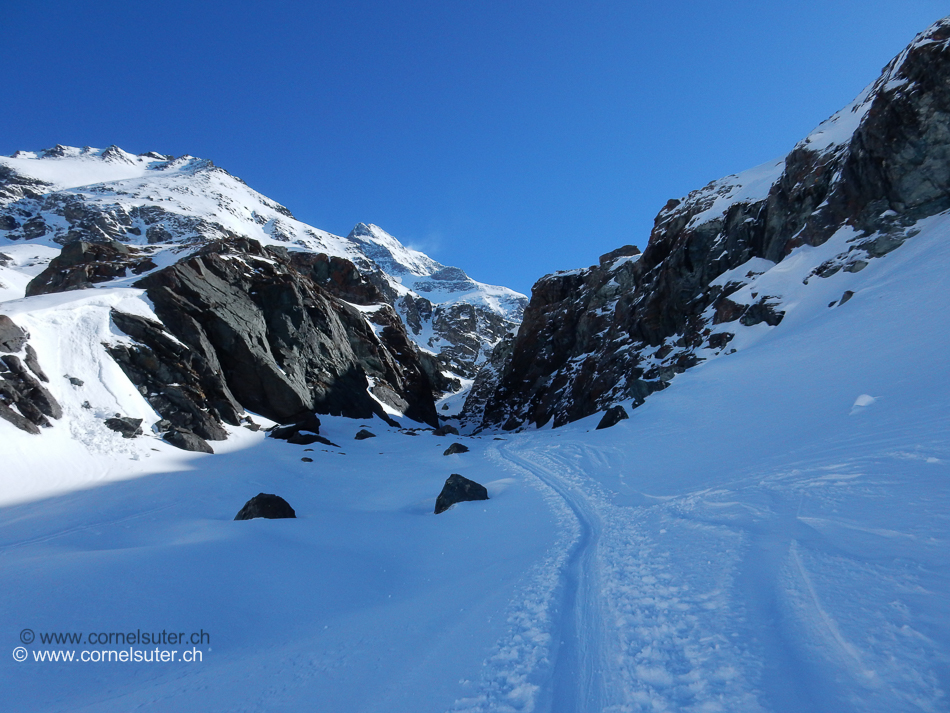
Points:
x=624, y=328
x=247, y=327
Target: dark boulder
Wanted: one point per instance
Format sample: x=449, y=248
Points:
x=446, y=431
x=272, y=507
x=455, y=448
x=363, y=434
x=299, y=436
x=129, y=427
x=459, y=489
x=305, y=439
x=303, y=427
x=187, y=441
x=720, y=339
x=309, y=422
x=613, y=416
x=282, y=433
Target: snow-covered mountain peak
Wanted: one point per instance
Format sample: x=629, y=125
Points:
x=391, y=255
x=418, y=273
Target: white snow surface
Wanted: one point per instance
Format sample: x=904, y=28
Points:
x=770, y=533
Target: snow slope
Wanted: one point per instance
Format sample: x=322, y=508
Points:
x=769, y=533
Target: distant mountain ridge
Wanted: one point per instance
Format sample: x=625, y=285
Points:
x=729, y=261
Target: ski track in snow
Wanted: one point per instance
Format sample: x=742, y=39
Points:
x=520, y=667
x=631, y=633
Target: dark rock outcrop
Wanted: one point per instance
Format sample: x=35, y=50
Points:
x=12, y=337
x=455, y=448
x=24, y=401
x=363, y=434
x=187, y=441
x=285, y=346
x=272, y=507
x=446, y=431
x=81, y=264
x=613, y=416
x=621, y=330
x=33, y=363
x=129, y=427
x=182, y=384
x=459, y=489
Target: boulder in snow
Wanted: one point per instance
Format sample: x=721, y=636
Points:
x=613, y=416
x=301, y=431
x=446, y=431
x=187, y=441
x=12, y=337
x=455, y=448
x=272, y=507
x=364, y=434
x=459, y=489
x=127, y=426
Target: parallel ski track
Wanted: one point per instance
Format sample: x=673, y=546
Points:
x=578, y=650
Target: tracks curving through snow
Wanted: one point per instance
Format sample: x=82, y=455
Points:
x=578, y=649
x=628, y=625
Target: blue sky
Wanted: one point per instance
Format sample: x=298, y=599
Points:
x=511, y=139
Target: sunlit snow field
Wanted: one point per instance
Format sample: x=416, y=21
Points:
x=769, y=533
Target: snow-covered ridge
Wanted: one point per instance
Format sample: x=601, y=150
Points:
x=836, y=131
x=831, y=136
